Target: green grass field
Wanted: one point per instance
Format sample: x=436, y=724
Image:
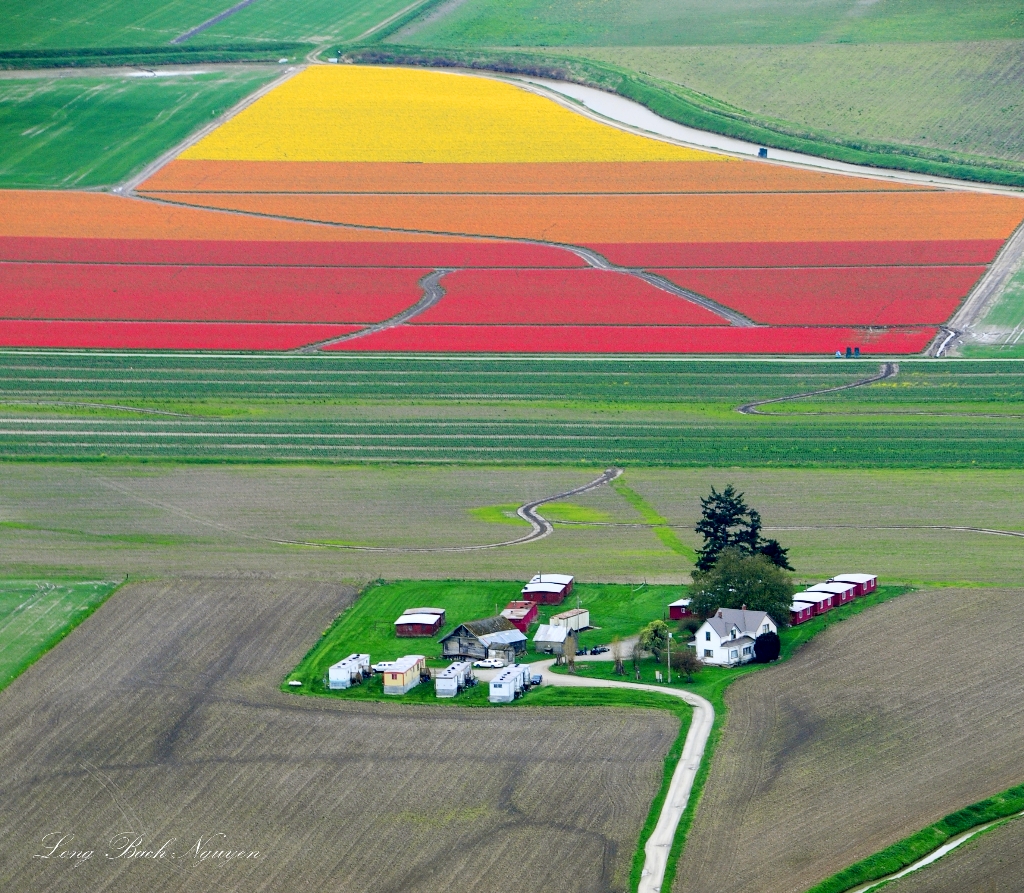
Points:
x=915, y=94
x=693, y=22
x=81, y=132
x=509, y=411
x=36, y=614
x=60, y=24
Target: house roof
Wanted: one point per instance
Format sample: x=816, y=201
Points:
x=725, y=619
x=813, y=597
x=835, y=588
x=800, y=606
x=481, y=628
x=547, y=633
x=740, y=642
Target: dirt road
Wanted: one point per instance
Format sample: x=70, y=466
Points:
x=659, y=845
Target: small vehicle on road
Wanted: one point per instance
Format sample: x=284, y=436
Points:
x=489, y=663
x=580, y=651
x=536, y=680
x=600, y=649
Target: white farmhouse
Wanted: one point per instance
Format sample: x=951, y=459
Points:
x=727, y=638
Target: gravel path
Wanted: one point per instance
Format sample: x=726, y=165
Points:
x=659, y=845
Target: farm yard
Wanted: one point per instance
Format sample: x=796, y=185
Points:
x=870, y=719
x=227, y=751
x=572, y=237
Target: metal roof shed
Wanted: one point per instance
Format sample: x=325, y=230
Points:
x=865, y=582
x=550, y=639
x=409, y=625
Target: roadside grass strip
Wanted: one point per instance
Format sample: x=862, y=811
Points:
x=878, y=868
x=36, y=614
x=662, y=530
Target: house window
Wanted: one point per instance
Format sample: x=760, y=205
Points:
x=748, y=650
x=733, y=635
x=707, y=636
x=708, y=652
x=765, y=628
x=733, y=654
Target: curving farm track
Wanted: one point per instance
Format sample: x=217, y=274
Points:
x=887, y=370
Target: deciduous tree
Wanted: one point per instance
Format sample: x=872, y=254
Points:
x=739, y=579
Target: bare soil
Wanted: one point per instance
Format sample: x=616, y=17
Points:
x=878, y=727
x=161, y=719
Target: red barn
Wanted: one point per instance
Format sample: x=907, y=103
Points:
x=865, y=583
x=679, y=610
x=420, y=622
x=520, y=614
x=544, y=593
x=800, y=612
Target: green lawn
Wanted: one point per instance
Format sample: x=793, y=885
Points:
x=81, y=132
x=36, y=614
x=368, y=626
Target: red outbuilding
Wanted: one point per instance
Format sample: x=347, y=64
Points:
x=865, y=583
x=520, y=614
x=800, y=612
x=820, y=602
x=679, y=610
x=420, y=622
x=841, y=592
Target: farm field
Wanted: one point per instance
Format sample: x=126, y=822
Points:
x=91, y=521
x=481, y=410
x=987, y=863
x=228, y=750
x=915, y=94
x=58, y=24
x=36, y=614
x=691, y=22
x=59, y=133
x=862, y=721
x=773, y=260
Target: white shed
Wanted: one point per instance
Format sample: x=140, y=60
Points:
x=341, y=674
x=576, y=619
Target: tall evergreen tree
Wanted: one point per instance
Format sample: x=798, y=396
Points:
x=728, y=522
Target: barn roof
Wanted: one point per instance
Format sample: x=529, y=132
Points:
x=438, y=611
x=854, y=578
x=428, y=619
x=562, y=579
x=574, y=612
x=680, y=603
x=481, y=628
x=504, y=637
x=834, y=588
x=547, y=633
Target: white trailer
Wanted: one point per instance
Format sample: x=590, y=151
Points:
x=342, y=674
x=509, y=684
x=450, y=681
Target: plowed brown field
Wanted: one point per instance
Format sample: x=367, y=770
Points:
x=880, y=726
x=161, y=719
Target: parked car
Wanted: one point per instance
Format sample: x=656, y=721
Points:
x=600, y=649
x=382, y=666
x=580, y=651
x=490, y=663
x=536, y=680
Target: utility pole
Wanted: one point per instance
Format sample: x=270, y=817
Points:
x=669, y=653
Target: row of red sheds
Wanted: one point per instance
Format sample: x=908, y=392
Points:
x=823, y=597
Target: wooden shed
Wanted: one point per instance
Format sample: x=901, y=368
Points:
x=471, y=640
x=865, y=583
x=419, y=622
x=550, y=639
x=680, y=609
x=544, y=593
x=520, y=614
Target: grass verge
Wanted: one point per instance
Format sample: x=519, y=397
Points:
x=917, y=846
x=660, y=525
x=94, y=57
x=687, y=107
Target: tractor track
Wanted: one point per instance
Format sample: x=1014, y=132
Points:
x=887, y=370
